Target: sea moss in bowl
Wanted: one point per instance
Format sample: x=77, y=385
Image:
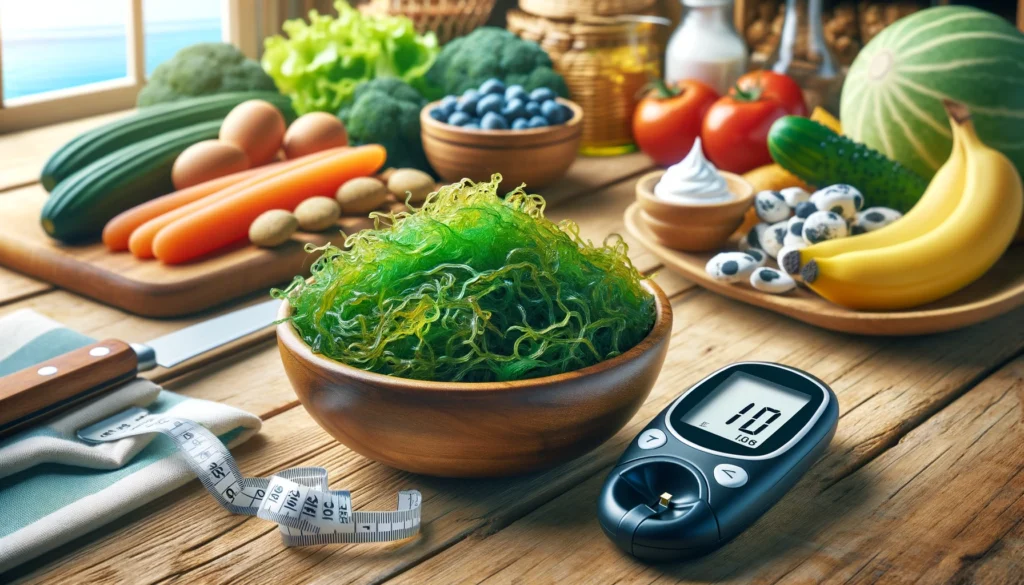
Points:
x=471, y=288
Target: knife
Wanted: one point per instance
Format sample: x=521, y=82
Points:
x=41, y=390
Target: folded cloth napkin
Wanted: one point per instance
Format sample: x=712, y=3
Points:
x=55, y=487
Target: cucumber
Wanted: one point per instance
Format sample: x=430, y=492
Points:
x=82, y=204
x=148, y=122
x=821, y=157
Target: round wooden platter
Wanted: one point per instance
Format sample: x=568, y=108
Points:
x=1001, y=290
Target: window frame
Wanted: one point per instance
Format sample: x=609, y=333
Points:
x=103, y=97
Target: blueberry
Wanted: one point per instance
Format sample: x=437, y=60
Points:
x=459, y=119
x=532, y=109
x=471, y=93
x=438, y=114
x=493, y=121
x=542, y=94
x=516, y=92
x=552, y=110
x=492, y=85
x=567, y=113
x=447, y=105
x=805, y=209
x=489, y=103
x=467, y=104
x=520, y=124
x=537, y=122
x=472, y=126
x=514, y=108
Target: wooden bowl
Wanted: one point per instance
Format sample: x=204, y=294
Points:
x=453, y=429
x=693, y=228
x=535, y=156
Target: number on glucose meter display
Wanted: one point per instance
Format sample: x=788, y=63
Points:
x=746, y=409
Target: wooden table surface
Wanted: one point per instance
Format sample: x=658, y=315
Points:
x=923, y=483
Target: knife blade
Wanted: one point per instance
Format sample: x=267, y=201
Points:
x=56, y=384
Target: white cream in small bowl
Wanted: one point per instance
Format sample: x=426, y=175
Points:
x=693, y=181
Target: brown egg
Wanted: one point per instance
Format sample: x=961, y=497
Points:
x=257, y=127
x=206, y=160
x=314, y=132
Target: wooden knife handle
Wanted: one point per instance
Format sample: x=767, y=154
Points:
x=47, y=387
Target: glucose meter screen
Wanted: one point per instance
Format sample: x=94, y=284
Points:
x=746, y=409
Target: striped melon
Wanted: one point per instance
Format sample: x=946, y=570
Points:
x=892, y=98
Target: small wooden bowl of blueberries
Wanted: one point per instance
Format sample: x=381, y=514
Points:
x=529, y=137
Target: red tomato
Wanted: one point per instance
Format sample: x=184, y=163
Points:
x=776, y=87
x=735, y=130
x=668, y=120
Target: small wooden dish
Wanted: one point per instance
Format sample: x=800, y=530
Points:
x=694, y=228
x=999, y=291
x=535, y=156
x=453, y=429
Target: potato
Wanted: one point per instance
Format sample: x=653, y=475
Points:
x=361, y=196
x=273, y=228
x=317, y=214
x=404, y=182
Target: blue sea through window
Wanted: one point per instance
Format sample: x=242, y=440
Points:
x=61, y=44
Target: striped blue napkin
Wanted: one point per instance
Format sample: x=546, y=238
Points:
x=55, y=487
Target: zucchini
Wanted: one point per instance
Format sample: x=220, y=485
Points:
x=99, y=142
x=82, y=204
x=821, y=157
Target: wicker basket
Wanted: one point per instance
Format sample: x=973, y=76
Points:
x=573, y=9
x=445, y=18
x=605, y=64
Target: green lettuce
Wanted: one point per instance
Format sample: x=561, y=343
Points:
x=321, y=62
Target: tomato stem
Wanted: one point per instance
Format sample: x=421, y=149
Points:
x=664, y=91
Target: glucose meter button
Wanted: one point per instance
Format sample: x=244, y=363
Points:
x=730, y=476
x=651, y=439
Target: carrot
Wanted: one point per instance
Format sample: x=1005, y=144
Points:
x=227, y=221
x=118, y=230
x=141, y=241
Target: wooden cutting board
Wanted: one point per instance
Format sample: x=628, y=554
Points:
x=999, y=291
x=148, y=287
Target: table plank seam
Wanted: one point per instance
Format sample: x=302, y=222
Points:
x=915, y=422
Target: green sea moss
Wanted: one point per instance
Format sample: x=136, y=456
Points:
x=472, y=288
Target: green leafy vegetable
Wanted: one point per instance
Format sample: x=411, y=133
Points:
x=320, y=64
x=386, y=111
x=203, y=69
x=488, y=52
x=472, y=288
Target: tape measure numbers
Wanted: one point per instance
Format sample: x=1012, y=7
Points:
x=297, y=499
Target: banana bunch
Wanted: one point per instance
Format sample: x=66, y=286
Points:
x=959, y=228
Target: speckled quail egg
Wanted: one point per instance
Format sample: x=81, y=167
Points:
x=795, y=196
x=774, y=237
x=757, y=254
x=731, y=266
x=843, y=199
x=794, y=232
x=873, y=218
x=805, y=209
x=773, y=281
x=771, y=206
x=824, y=225
x=752, y=239
x=789, y=259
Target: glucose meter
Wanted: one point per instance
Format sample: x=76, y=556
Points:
x=716, y=459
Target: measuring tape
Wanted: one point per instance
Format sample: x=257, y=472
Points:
x=297, y=499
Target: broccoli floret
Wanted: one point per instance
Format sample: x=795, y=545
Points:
x=386, y=111
x=203, y=69
x=488, y=52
